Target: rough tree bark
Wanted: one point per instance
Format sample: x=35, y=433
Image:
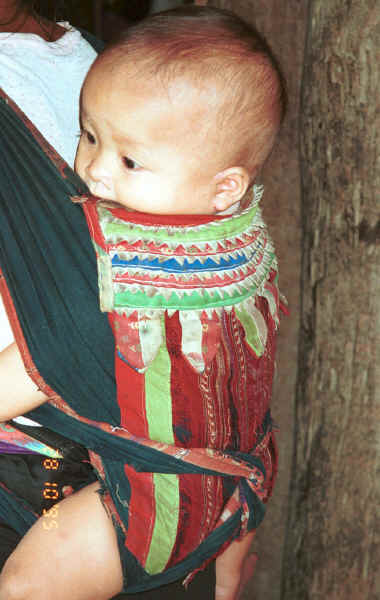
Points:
x=333, y=541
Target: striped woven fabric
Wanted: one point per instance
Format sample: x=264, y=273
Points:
x=194, y=304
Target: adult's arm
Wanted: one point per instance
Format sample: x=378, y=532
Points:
x=18, y=393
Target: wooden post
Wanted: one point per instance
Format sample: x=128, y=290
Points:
x=333, y=540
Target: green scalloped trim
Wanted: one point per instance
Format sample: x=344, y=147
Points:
x=217, y=230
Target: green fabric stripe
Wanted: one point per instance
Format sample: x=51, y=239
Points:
x=217, y=230
x=166, y=487
x=166, y=495
x=251, y=333
x=191, y=301
x=158, y=395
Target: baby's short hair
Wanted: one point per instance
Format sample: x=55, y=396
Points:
x=214, y=47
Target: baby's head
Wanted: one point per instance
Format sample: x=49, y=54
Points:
x=180, y=114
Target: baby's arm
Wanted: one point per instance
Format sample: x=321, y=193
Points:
x=234, y=568
x=18, y=393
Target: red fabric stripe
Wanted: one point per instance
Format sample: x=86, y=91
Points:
x=251, y=378
x=176, y=220
x=189, y=431
x=187, y=400
x=200, y=496
x=141, y=513
x=131, y=400
x=90, y=212
x=130, y=393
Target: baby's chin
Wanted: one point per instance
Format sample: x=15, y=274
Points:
x=113, y=203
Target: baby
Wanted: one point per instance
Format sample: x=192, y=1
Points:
x=177, y=119
x=180, y=115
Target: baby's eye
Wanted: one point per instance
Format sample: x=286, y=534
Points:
x=90, y=137
x=87, y=136
x=130, y=164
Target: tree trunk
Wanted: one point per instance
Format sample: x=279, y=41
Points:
x=333, y=541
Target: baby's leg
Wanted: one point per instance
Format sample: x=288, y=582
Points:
x=234, y=568
x=76, y=559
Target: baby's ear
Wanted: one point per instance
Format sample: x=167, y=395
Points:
x=230, y=186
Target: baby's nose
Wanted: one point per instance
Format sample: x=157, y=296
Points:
x=99, y=178
x=98, y=171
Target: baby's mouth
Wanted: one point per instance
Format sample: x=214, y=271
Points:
x=97, y=188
